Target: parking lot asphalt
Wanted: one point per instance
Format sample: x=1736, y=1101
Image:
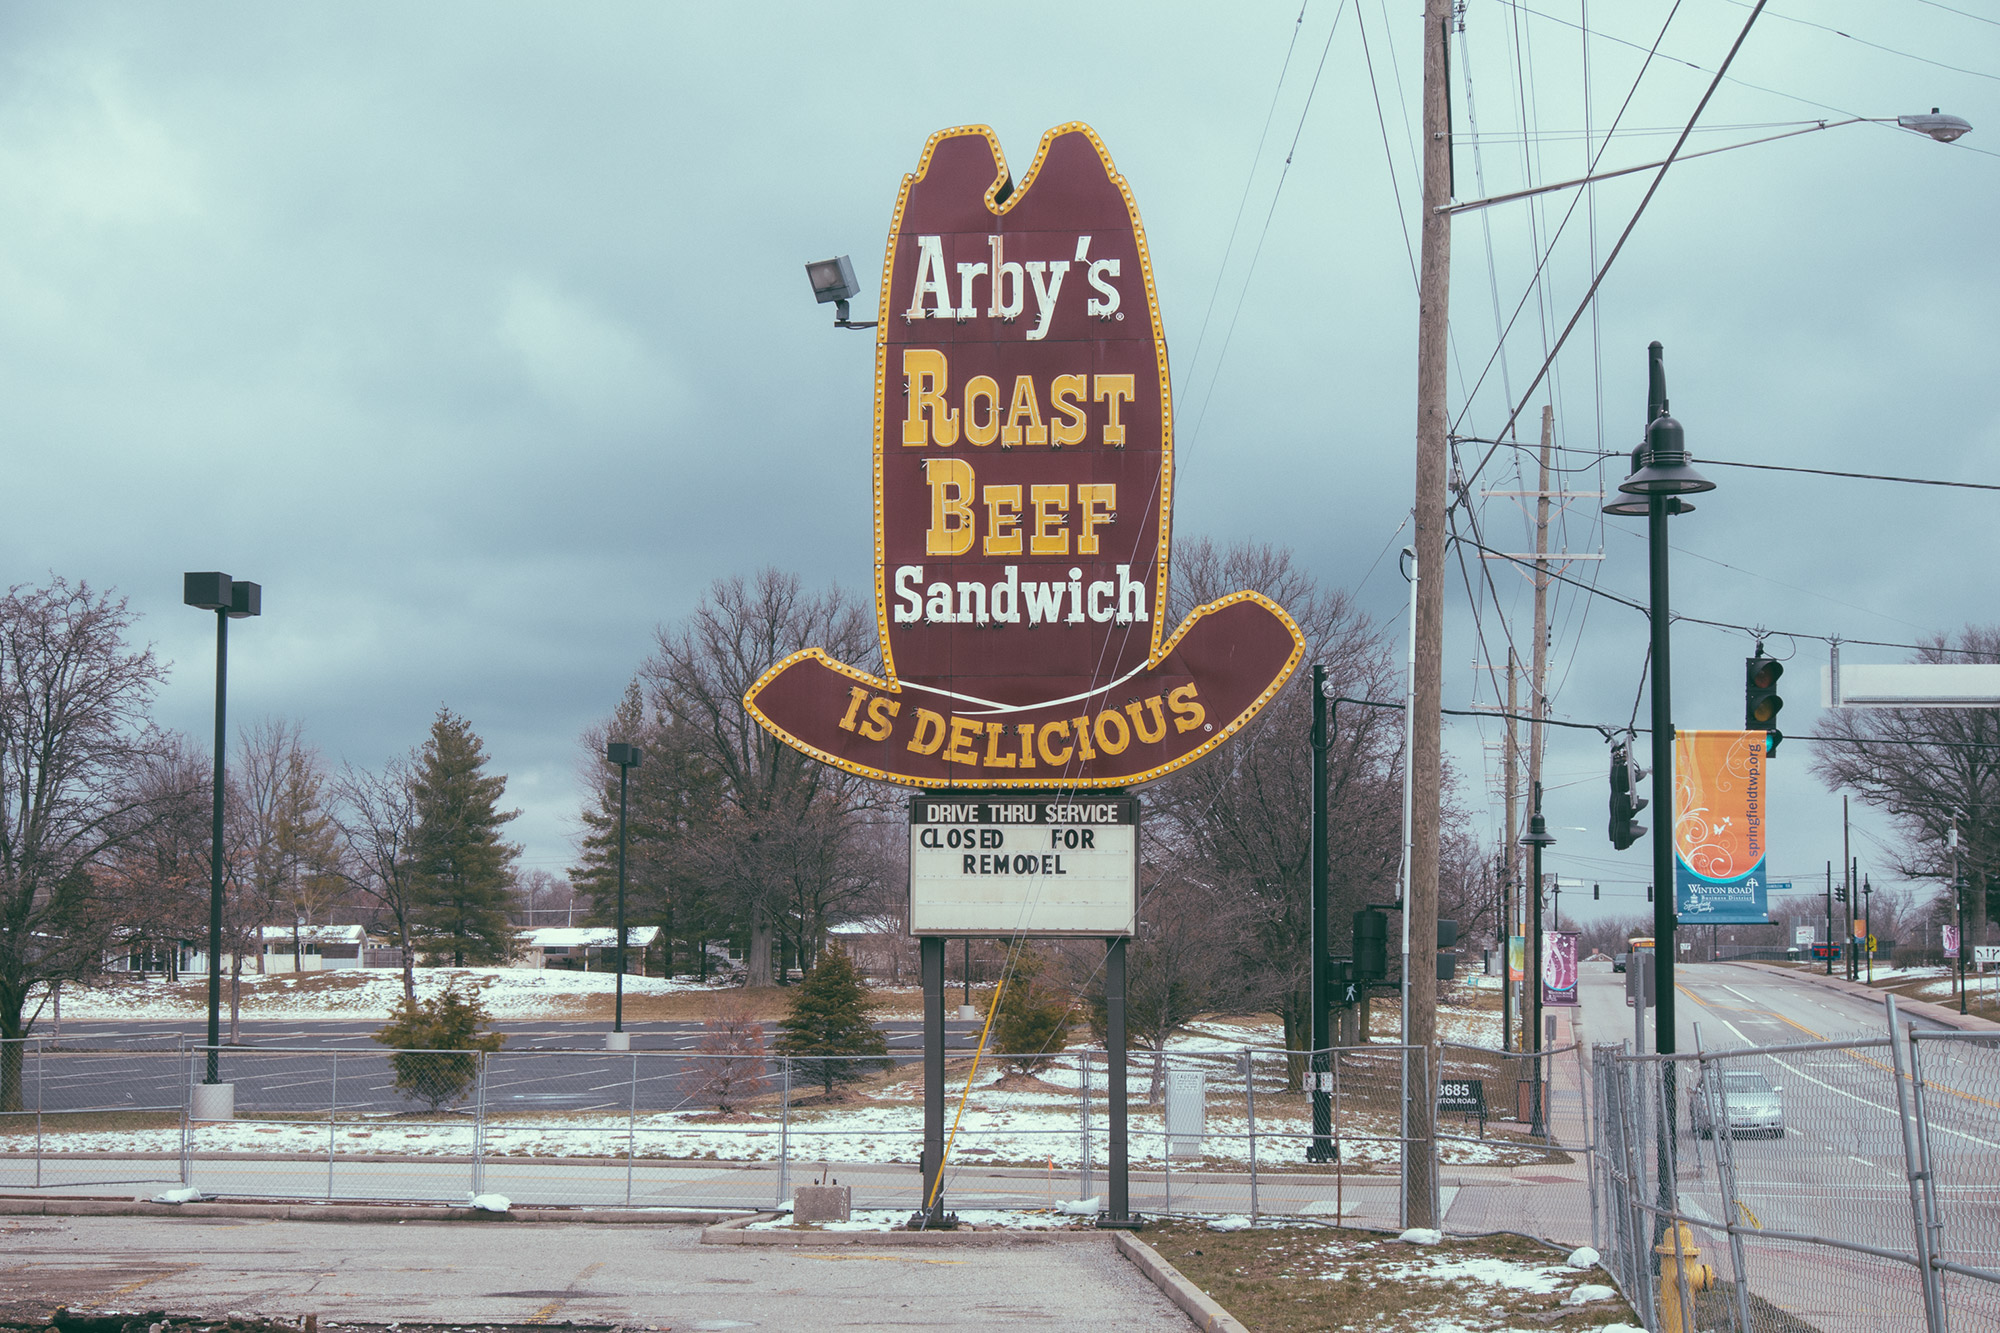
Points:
x=657, y=1277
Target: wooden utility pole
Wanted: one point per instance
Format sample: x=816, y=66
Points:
x=1512, y=758
x=1538, y=685
x=1420, y=907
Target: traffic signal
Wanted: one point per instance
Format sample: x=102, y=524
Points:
x=1760, y=698
x=1371, y=946
x=1596, y=892
x=1625, y=830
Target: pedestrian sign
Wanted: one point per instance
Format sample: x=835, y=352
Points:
x=1871, y=945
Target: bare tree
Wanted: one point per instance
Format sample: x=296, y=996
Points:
x=1238, y=821
x=377, y=818
x=1925, y=766
x=774, y=844
x=158, y=878
x=75, y=743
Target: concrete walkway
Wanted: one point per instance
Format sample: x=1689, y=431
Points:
x=519, y=1273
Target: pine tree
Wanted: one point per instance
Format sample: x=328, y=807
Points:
x=830, y=1019
x=1034, y=1020
x=462, y=868
x=673, y=803
x=433, y=1043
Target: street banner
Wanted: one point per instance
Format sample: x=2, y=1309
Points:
x=1559, y=950
x=1024, y=490
x=1719, y=850
x=1860, y=928
x=1951, y=941
x=1517, y=958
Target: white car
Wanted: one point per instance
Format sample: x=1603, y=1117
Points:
x=1742, y=1099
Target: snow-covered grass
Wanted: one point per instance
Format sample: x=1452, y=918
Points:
x=370, y=994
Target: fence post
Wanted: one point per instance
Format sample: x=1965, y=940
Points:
x=479, y=1126
x=1083, y=1121
x=186, y=1108
x=1933, y=1216
x=332, y=1108
x=784, y=1129
x=631, y=1126
x=1913, y=1168
x=1166, y=1157
x=1725, y=1174
x=40, y=1060
x=1250, y=1115
x=1587, y=1090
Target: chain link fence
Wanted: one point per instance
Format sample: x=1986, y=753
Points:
x=1222, y=1130
x=1826, y=1185
x=115, y=1102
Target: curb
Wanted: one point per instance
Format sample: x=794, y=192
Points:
x=1195, y=1303
x=18, y=1206
x=1909, y=1008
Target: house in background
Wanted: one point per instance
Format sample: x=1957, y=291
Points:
x=585, y=948
x=321, y=949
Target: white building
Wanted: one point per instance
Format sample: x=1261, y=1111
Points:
x=584, y=948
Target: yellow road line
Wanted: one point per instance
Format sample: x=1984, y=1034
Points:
x=542, y=1315
x=130, y=1287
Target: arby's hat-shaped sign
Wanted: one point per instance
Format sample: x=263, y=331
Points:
x=1024, y=478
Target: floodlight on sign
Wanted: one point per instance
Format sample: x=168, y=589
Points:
x=832, y=279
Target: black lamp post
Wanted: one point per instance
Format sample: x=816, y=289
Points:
x=1536, y=838
x=1868, y=924
x=230, y=599
x=627, y=758
x=1661, y=476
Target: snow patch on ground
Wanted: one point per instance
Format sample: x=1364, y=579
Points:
x=891, y=1219
x=367, y=994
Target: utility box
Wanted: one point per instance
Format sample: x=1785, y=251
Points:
x=822, y=1203
x=1187, y=1111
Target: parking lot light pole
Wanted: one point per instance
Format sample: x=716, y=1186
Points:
x=627, y=758
x=230, y=599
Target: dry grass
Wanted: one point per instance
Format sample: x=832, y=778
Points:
x=1305, y=1279
x=16, y=1124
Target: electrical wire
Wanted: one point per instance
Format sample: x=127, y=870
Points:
x=1658, y=179
x=1863, y=41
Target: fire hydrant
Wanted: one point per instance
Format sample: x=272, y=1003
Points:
x=1677, y=1261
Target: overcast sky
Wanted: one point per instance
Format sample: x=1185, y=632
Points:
x=479, y=334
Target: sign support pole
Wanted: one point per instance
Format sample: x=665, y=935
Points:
x=1120, y=1212
x=1322, y=1148
x=931, y=1206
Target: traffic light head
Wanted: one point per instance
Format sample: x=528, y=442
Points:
x=1625, y=828
x=1761, y=703
x=1371, y=946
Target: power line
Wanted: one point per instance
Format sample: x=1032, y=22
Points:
x=1907, y=55
x=1730, y=462
x=1659, y=178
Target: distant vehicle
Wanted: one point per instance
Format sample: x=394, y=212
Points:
x=1618, y=961
x=1742, y=1099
